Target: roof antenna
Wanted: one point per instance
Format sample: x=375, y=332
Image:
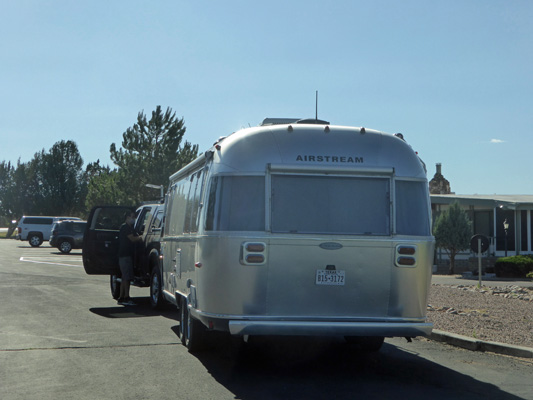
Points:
x=316, y=107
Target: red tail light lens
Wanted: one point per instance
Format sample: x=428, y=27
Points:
x=255, y=247
x=409, y=261
x=255, y=259
x=406, y=250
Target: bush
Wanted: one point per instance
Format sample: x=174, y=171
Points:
x=514, y=266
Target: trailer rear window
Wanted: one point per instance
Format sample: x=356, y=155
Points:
x=330, y=205
x=412, y=208
x=236, y=203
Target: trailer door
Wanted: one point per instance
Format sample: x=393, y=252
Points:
x=100, y=242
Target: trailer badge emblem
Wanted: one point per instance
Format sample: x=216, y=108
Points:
x=330, y=246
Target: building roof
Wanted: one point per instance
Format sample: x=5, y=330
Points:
x=510, y=201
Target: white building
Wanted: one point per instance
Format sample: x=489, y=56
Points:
x=488, y=214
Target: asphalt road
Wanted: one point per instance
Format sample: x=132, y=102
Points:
x=63, y=337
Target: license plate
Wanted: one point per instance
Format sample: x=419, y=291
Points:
x=330, y=277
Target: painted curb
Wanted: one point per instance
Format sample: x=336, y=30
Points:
x=469, y=343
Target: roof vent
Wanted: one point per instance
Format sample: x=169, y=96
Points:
x=312, y=121
x=278, y=121
x=286, y=121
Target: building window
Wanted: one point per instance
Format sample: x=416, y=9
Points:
x=523, y=231
x=531, y=228
x=501, y=237
x=483, y=223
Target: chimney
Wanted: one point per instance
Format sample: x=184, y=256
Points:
x=439, y=184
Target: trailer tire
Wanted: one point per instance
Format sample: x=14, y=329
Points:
x=192, y=331
x=156, y=289
x=369, y=344
x=114, y=283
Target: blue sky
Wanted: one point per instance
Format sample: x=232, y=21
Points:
x=455, y=77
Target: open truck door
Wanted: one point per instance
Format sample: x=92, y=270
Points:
x=100, y=242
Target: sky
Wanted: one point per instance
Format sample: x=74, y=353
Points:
x=455, y=77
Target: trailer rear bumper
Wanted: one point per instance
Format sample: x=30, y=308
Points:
x=313, y=328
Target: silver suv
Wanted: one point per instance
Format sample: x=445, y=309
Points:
x=37, y=229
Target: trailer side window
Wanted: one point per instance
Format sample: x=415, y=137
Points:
x=177, y=208
x=330, y=205
x=193, y=203
x=412, y=213
x=236, y=203
x=189, y=208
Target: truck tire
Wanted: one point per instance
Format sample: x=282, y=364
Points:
x=156, y=289
x=35, y=239
x=114, y=283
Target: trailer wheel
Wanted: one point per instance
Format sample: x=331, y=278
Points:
x=114, y=283
x=368, y=344
x=192, y=331
x=182, y=306
x=156, y=289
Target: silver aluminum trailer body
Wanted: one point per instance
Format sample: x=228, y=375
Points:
x=301, y=229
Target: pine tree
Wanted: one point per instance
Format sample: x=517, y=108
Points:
x=452, y=232
x=151, y=152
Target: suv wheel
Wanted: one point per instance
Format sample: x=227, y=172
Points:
x=65, y=246
x=35, y=240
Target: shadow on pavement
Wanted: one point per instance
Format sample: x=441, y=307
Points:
x=319, y=368
x=72, y=253
x=142, y=309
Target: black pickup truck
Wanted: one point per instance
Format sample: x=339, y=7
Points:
x=100, y=247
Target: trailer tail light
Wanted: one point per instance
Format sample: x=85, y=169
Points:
x=255, y=259
x=255, y=247
x=406, y=250
x=253, y=253
x=406, y=261
x=405, y=256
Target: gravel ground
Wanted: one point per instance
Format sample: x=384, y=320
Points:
x=498, y=314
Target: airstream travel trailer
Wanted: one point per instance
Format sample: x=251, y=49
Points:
x=300, y=228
